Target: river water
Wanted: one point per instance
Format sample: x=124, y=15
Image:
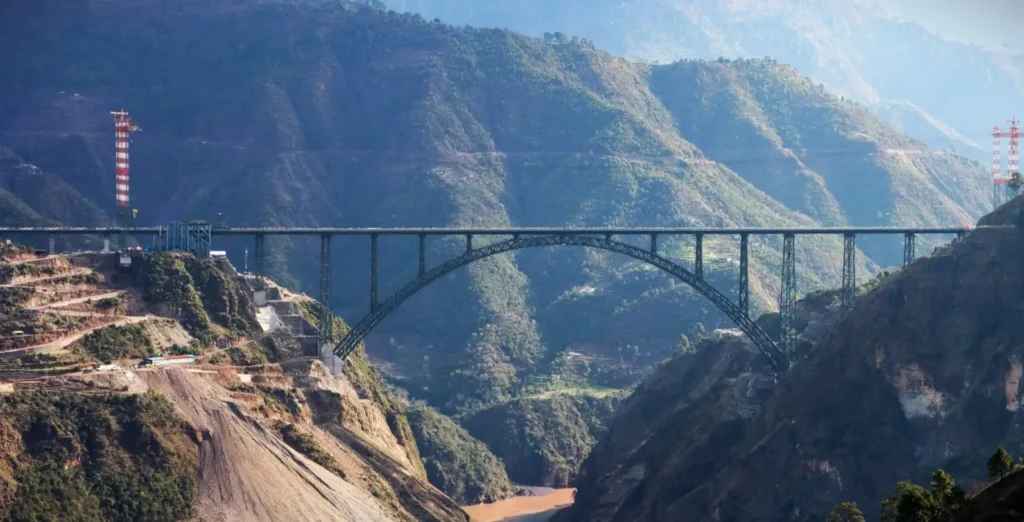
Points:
x=536, y=508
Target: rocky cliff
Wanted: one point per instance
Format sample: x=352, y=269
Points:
x=922, y=373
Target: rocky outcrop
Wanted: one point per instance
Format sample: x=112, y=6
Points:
x=922, y=373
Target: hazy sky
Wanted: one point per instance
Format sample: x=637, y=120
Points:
x=990, y=23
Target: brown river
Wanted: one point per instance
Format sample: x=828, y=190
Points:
x=536, y=508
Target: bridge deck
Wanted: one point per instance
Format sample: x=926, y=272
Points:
x=314, y=231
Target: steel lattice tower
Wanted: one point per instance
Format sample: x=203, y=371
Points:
x=1000, y=182
x=849, y=291
x=123, y=127
x=787, y=302
x=326, y=318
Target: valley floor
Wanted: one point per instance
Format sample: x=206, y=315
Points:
x=536, y=508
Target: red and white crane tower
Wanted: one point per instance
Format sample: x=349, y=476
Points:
x=123, y=127
x=999, y=181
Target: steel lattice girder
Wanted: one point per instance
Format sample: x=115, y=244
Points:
x=760, y=339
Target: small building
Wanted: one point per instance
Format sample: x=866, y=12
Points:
x=219, y=254
x=169, y=360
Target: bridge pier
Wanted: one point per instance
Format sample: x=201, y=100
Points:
x=787, y=301
x=849, y=290
x=423, y=254
x=373, y=272
x=744, y=300
x=326, y=315
x=908, y=248
x=698, y=255
x=654, y=244
x=469, y=242
x=53, y=243
x=106, y=244
x=258, y=258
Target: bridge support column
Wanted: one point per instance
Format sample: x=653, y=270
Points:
x=698, y=256
x=373, y=272
x=744, y=300
x=423, y=254
x=326, y=316
x=106, y=244
x=654, y=244
x=787, y=301
x=908, y=249
x=469, y=242
x=53, y=243
x=849, y=290
x=258, y=258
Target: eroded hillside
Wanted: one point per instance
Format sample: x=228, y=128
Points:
x=921, y=374
x=255, y=430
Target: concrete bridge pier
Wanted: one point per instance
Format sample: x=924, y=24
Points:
x=106, y=244
x=53, y=243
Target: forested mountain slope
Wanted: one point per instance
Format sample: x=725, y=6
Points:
x=852, y=47
x=333, y=114
x=923, y=373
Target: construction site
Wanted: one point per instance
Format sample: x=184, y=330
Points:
x=309, y=440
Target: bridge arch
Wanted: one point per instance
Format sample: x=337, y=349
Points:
x=760, y=339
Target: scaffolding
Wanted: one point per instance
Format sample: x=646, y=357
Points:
x=191, y=236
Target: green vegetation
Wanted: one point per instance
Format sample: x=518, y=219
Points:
x=913, y=503
x=9, y=272
x=111, y=343
x=920, y=344
x=368, y=383
x=456, y=463
x=222, y=299
x=112, y=458
x=1000, y=464
x=544, y=441
x=165, y=280
x=43, y=363
x=945, y=501
x=288, y=402
x=846, y=512
x=9, y=249
x=111, y=303
x=305, y=444
x=553, y=132
x=195, y=290
x=251, y=353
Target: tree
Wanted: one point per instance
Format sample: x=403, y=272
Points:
x=909, y=503
x=1000, y=464
x=846, y=512
x=947, y=495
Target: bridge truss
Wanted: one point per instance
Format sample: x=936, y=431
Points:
x=197, y=237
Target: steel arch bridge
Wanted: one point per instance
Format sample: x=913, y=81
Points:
x=196, y=236
x=777, y=356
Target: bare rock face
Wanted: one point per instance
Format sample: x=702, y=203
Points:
x=923, y=373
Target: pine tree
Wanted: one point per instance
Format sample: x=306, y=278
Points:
x=947, y=495
x=1000, y=464
x=846, y=512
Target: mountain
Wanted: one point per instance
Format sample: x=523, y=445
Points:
x=455, y=462
x=922, y=373
x=854, y=48
x=86, y=430
x=328, y=113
